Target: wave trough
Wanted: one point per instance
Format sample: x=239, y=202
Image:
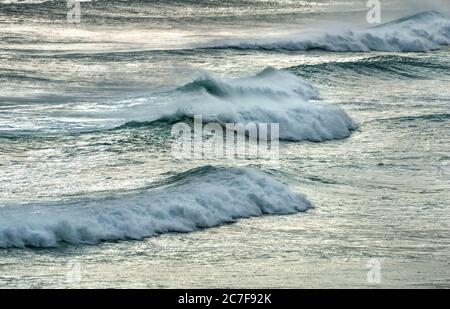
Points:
x=383, y=66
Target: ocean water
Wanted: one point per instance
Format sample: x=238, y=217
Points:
x=90, y=195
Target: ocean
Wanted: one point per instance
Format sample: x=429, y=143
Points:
x=91, y=195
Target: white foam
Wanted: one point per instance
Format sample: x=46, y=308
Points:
x=272, y=96
x=419, y=33
x=199, y=198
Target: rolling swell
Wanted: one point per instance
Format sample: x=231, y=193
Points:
x=439, y=117
x=384, y=66
x=200, y=198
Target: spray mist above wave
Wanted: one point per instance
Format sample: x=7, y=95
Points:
x=200, y=198
x=272, y=96
x=422, y=32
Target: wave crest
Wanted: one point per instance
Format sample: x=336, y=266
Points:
x=200, y=198
x=422, y=32
x=269, y=82
x=271, y=96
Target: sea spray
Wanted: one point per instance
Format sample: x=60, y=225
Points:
x=422, y=32
x=271, y=96
x=203, y=197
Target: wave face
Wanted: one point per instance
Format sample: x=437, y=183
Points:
x=200, y=198
x=272, y=96
x=422, y=32
x=384, y=66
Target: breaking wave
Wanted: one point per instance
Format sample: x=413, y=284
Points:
x=422, y=32
x=200, y=198
x=272, y=96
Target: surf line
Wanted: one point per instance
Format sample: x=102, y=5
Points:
x=197, y=299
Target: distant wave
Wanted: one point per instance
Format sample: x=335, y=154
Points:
x=384, y=65
x=441, y=117
x=271, y=96
x=422, y=32
x=200, y=198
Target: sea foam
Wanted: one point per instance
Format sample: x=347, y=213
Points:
x=271, y=96
x=422, y=32
x=200, y=198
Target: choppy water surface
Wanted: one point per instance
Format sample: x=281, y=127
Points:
x=87, y=180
